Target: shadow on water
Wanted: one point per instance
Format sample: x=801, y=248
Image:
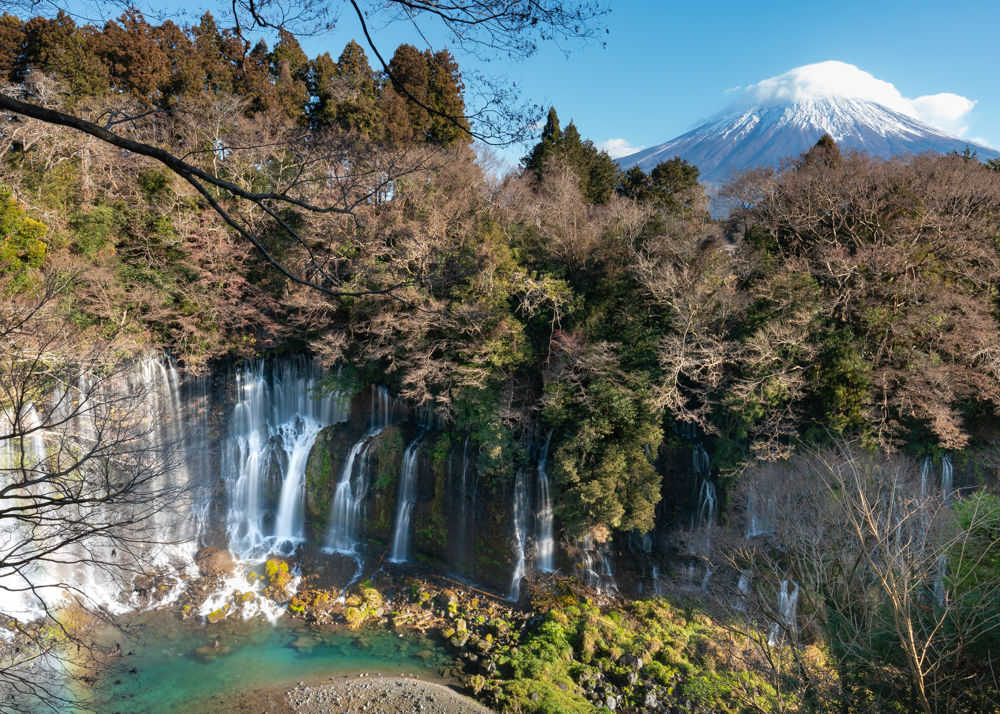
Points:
x=184, y=667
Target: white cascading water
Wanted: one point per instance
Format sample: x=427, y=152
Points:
x=940, y=591
x=787, y=625
x=544, y=539
x=28, y=454
x=947, y=478
x=743, y=594
x=521, y=516
x=176, y=431
x=463, y=503
x=405, y=501
x=707, y=505
x=272, y=429
x=596, y=566
x=345, y=514
x=342, y=533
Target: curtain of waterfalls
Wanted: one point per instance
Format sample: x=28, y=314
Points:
x=272, y=429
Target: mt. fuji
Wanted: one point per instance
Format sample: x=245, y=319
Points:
x=786, y=115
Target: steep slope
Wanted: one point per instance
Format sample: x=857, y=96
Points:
x=763, y=135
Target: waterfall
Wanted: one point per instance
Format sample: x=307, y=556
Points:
x=405, y=502
x=543, y=521
x=596, y=566
x=386, y=410
x=640, y=543
x=463, y=505
x=657, y=588
x=707, y=505
x=296, y=439
x=940, y=591
x=172, y=428
x=925, y=473
x=788, y=603
x=272, y=428
x=947, y=478
x=521, y=516
x=743, y=598
x=345, y=515
x=758, y=522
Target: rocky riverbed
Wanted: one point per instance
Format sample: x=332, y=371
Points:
x=385, y=695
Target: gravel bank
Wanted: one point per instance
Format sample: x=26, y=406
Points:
x=381, y=695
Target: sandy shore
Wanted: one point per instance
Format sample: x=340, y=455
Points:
x=388, y=695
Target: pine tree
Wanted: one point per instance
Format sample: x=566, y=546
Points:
x=57, y=47
x=133, y=57
x=185, y=76
x=669, y=180
x=251, y=73
x=597, y=172
x=208, y=44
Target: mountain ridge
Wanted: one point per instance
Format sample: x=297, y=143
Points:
x=755, y=135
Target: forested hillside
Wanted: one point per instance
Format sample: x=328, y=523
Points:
x=845, y=296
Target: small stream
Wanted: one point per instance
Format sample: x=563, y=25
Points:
x=180, y=670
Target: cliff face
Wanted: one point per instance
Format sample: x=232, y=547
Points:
x=458, y=523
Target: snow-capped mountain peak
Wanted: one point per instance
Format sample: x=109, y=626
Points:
x=786, y=115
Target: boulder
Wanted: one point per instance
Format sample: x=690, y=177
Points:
x=213, y=560
x=446, y=598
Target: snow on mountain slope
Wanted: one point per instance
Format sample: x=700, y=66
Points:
x=783, y=122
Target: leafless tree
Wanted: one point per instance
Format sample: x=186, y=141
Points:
x=341, y=166
x=897, y=587
x=86, y=484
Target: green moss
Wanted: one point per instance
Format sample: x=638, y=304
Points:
x=577, y=642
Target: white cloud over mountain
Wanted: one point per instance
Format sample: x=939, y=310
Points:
x=838, y=79
x=617, y=148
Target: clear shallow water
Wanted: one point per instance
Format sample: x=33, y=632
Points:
x=174, y=676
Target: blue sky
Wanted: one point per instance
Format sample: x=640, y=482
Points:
x=669, y=64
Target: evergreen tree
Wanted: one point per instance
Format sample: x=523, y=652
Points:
x=635, y=184
x=669, y=181
x=597, y=172
x=445, y=95
x=396, y=117
x=59, y=48
x=185, y=77
x=290, y=70
x=208, y=44
x=13, y=45
x=824, y=153
x=408, y=68
x=360, y=109
x=251, y=73
x=133, y=57
x=551, y=135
